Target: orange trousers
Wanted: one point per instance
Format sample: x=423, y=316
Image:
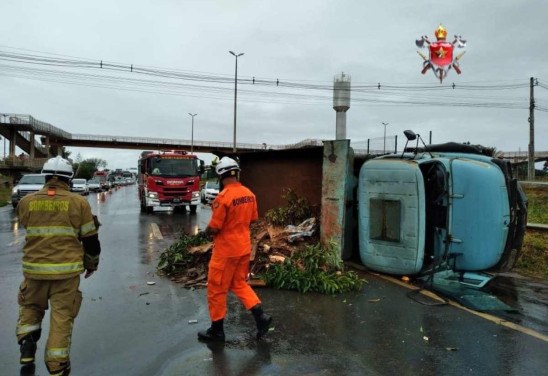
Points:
x=228, y=274
x=65, y=299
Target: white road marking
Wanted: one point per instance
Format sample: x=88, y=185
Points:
x=156, y=231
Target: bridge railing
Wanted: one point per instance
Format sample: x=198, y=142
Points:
x=39, y=127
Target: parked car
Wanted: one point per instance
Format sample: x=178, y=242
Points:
x=28, y=184
x=209, y=192
x=94, y=185
x=79, y=186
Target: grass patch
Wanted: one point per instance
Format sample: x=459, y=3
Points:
x=537, y=198
x=534, y=252
x=5, y=195
x=534, y=255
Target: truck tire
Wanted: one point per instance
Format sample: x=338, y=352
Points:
x=193, y=208
x=142, y=202
x=149, y=209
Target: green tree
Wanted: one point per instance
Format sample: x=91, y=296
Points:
x=86, y=168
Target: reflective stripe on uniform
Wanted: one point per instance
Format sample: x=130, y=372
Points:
x=51, y=231
x=61, y=352
x=64, y=268
x=87, y=228
x=25, y=329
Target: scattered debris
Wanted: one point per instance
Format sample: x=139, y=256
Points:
x=426, y=338
x=144, y=293
x=276, y=259
x=283, y=255
x=305, y=229
x=151, y=283
x=192, y=321
x=374, y=300
x=452, y=348
x=201, y=248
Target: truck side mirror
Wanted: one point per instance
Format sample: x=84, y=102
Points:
x=410, y=135
x=201, y=169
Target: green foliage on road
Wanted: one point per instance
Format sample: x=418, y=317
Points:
x=314, y=269
x=297, y=210
x=176, y=257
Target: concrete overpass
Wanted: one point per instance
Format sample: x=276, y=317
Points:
x=23, y=130
x=20, y=129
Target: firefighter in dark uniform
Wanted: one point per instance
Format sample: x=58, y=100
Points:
x=61, y=243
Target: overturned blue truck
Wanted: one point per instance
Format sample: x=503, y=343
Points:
x=447, y=211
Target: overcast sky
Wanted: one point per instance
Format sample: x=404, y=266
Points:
x=295, y=42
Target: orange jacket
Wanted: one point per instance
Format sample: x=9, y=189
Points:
x=233, y=211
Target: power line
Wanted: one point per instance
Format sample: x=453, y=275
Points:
x=214, y=86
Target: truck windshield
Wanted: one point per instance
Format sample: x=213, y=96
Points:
x=173, y=167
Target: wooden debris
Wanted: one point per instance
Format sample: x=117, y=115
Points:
x=257, y=239
x=276, y=259
x=256, y=282
x=201, y=248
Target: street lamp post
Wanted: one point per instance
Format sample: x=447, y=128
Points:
x=384, y=143
x=192, y=134
x=235, y=96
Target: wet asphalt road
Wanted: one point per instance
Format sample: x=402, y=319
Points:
x=127, y=327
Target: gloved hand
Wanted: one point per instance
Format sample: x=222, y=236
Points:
x=89, y=273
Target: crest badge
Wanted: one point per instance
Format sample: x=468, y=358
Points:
x=441, y=53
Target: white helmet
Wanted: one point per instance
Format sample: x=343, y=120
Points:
x=58, y=166
x=227, y=165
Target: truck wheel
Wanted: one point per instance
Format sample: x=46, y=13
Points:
x=193, y=208
x=149, y=209
x=143, y=207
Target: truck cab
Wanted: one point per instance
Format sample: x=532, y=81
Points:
x=445, y=204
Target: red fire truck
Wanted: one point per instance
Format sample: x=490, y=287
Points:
x=169, y=179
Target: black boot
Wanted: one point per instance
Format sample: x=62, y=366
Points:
x=28, y=347
x=214, y=333
x=262, y=319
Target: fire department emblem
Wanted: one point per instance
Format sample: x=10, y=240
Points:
x=441, y=58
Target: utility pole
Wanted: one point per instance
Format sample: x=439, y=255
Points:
x=531, y=159
x=384, y=139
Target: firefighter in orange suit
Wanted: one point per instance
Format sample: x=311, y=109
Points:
x=61, y=243
x=232, y=212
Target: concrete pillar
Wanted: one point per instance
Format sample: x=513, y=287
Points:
x=31, y=150
x=48, y=151
x=13, y=142
x=338, y=182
